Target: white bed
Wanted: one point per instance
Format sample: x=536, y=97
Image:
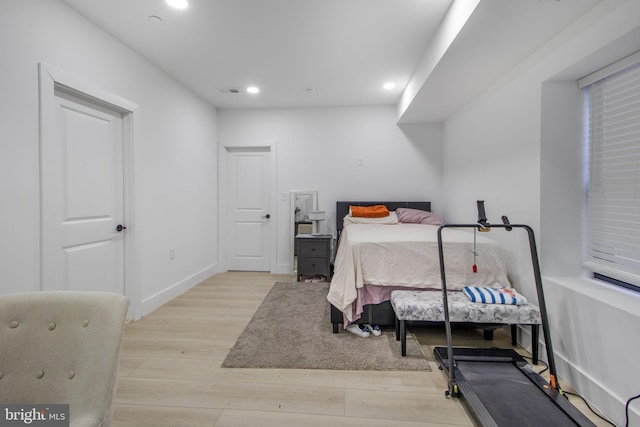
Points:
x=374, y=259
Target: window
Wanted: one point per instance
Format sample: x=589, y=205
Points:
x=613, y=197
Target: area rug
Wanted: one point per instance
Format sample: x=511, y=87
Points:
x=292, y=330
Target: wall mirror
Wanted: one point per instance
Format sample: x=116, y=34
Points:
x=302, y=202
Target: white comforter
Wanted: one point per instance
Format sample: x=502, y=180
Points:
x=407, y=255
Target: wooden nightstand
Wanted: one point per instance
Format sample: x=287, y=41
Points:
x=314, y=255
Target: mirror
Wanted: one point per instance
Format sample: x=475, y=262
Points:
x=302, y=202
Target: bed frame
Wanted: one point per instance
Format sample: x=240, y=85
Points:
x=375, y=314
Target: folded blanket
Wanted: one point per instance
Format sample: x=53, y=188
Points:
x=494, y=295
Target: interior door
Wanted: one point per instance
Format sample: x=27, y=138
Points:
x=248, y=193
x=82, y=196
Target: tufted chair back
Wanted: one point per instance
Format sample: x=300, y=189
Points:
x=62, y=347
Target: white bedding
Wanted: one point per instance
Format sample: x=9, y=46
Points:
x=406, y=255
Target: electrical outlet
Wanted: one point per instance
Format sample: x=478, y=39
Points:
x=172, y=253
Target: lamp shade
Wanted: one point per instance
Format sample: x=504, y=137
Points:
x=317, y=215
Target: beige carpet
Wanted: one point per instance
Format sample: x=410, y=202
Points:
x=292, y=330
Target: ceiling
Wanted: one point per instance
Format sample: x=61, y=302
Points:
x=304, y=53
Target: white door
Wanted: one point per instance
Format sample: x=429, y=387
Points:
x=82, y=197
x=249, y=231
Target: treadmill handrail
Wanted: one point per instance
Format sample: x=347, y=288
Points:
x=539, y=290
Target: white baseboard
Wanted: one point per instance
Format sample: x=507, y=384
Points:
x=524, y=340
x=155, y=301
x=592, y=389
x=575, y=377
x=282, y=269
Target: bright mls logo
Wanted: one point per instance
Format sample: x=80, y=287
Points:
x=34, y=415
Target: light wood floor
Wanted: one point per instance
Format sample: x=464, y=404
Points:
x=170, y=373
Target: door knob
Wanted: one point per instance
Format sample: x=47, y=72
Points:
x=120, y=227
x=267, y=216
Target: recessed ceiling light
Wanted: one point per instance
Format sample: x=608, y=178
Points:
x=178, y=4
x=253, y=89
x=389, y=85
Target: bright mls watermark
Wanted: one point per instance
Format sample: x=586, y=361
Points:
x=34, y=415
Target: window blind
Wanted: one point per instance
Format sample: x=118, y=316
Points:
x=613, y=204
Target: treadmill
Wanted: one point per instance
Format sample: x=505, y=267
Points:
x=498, y=386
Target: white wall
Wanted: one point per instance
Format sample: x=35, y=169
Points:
x=175, y=151
x=519, y=148
x=319, y=148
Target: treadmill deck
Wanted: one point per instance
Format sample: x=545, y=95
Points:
x=502, y=389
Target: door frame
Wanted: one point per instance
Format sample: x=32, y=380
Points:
x=223, y=152
x=51, y=79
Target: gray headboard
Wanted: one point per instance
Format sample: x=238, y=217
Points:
x=342, y=208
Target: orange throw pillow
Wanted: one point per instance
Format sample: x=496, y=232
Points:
x=377, y=211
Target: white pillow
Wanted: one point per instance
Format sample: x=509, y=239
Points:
x=391, y=219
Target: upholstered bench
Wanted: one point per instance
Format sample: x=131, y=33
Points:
x=426, y=306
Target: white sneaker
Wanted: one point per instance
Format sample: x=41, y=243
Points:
x=355, y=329
x=375, y=330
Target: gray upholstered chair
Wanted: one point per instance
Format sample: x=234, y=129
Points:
x=62, y=348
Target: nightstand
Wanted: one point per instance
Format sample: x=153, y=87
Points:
x=314, y=255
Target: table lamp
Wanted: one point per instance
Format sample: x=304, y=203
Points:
x=316, y=217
